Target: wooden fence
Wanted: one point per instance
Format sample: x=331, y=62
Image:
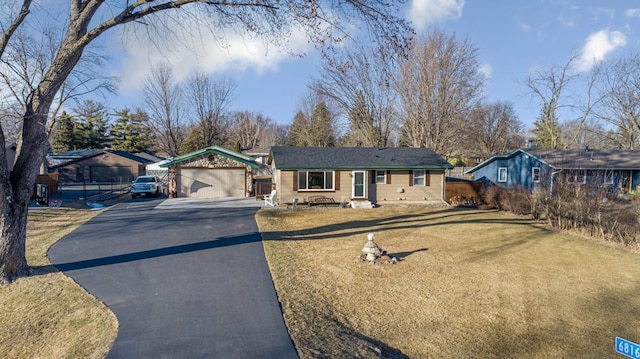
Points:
x=467, y=190
x=262, y=189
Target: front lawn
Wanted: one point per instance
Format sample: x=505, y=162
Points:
x=48, y=315
x=471, y=284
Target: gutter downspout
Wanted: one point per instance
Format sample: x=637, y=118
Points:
x=553, y=174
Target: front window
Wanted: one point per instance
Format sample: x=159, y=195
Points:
x=536, y=174
x=578, y=177
x=608, y=177
x=502, y=174
x=315, y=180
x=418, y=178
x=381, y=177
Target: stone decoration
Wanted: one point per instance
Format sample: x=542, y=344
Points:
x=371, y=249
x=372, y=253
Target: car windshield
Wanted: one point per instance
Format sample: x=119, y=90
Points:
x=145, y=180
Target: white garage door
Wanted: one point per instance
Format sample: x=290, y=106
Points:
x=212, y=183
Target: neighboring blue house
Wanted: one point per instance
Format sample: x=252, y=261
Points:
x=530, y=169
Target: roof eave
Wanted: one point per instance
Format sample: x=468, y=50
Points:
x=212, y=150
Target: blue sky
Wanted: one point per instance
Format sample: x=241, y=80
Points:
x=513, y=37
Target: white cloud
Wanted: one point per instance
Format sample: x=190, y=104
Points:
x=524, y=27
x=205, y=54
x=565, y=21
x=632, y=12
x=606, y=13
x=598, y=46
x=423, y=13
x=487, y=71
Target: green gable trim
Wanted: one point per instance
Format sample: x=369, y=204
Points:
x=217, y=150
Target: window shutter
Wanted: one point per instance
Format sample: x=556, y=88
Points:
x=336, y=178
x=410, y=178
x=427, y=178
x=373, y=175
x=295, y=181
x=388, y=177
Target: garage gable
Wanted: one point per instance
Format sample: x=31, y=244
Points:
x=212, y=172
x=213, y=160
x=213, y=157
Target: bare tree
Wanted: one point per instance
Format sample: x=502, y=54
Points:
x=27, y=58
x=360, y=86
x=274, y=21
x=248, y=128
x=439, y=84
x=209, y=100
x=493, y=128
x=554, y=88
x=165, y=102
x=583, y=132
x=274, y=134
x=619, y=85
x=10, y=120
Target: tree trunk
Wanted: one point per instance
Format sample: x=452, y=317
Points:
x=16, y=190
x=13, y=231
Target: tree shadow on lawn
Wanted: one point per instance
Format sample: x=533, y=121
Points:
x=402, y=255
x=336, y=338
x=405, y=221
x=508, y=245
x=376, y=347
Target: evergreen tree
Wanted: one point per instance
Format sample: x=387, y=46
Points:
x=131, y=131
x=194, y=141
x=64, y=138
x=321, y=126
x=363, y=130
x=91, y=128
x=546, y=131
x=298, y=131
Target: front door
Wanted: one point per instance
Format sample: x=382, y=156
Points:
x=359, y=184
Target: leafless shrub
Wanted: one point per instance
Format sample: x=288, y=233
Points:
x=586, y=208
x=517, y=200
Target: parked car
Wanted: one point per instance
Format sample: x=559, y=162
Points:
x=146, y=186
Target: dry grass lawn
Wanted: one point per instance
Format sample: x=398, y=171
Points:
x=471, y=284
x=48, y=315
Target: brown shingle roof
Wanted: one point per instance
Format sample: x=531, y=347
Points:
x=590, y=159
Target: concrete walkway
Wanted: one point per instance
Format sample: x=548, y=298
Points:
x=189, y=202
x=183, y=283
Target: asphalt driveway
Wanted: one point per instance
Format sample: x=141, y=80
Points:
x=183, y=282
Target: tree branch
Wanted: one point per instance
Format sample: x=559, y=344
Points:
x=6, y=36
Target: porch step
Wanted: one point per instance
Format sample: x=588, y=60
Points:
x=361, y=204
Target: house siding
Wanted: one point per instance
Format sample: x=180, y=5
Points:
x=118, y=169
x=400, y=179
x=635, y=180
x=519, y=171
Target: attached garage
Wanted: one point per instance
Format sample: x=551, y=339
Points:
x=212, y=182
x=213, y=172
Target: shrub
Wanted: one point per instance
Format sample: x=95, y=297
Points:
x=517, y=201
x=582, y=208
